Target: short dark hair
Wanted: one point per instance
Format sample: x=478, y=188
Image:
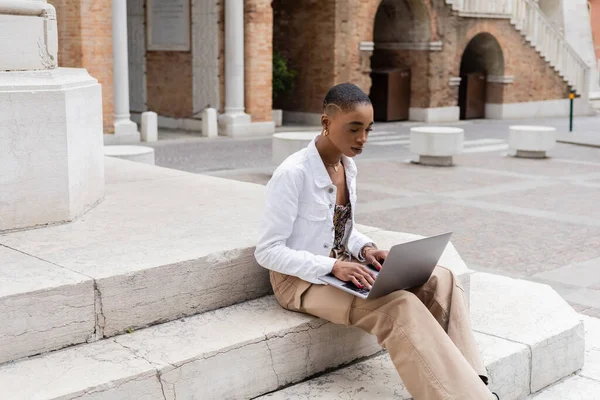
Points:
x=346, y=96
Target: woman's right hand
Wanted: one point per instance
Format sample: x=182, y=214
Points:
x=353, y=272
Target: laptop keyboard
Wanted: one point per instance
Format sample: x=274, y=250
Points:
x=352, y=286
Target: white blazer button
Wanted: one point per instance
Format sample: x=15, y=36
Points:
x=330, y=190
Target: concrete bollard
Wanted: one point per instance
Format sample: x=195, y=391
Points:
x=531, y=141
x=436, y=145
x=209, y=123
x=149, y=127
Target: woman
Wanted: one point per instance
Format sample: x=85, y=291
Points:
x=308, y=231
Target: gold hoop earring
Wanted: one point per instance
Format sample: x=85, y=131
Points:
x=325, y=132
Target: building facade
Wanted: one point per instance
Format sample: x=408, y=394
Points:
x=436, y=60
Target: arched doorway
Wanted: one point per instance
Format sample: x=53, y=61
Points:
x=553, y=10
x=481, y=60
x=401, y=33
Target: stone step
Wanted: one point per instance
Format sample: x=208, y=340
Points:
x=237, y=352
x=376, y=378
x=529, y=338
x=164, y=244
x=528, y=335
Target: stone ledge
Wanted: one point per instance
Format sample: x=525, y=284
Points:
x=531, y=339
x=532, y=314
x=254, y=348
x=46, y=307
x=376, y=378
x=236, y=352
x=124, y=256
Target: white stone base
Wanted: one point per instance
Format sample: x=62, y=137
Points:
x=140, y=154
x=51, y=161
x=286, y=144
x=301, y=118
x=126, y=128
x=210, y=125
x=149, y=131
x=537, y=109
x=440, y=114
x=436, y=145
x=248, y=129
x=534, y=315
x=277, y=116
x=531, y=141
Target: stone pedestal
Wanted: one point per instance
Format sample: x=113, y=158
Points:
x=287, y=143
x=28, y=36
x=51, y=163
x=149, y=132
x=532, y=141
x=436, y=145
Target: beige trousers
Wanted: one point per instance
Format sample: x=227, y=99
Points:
x=426, y=331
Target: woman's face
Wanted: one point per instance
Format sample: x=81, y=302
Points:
x=348, y=131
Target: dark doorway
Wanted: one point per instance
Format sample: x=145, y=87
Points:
x=482, y=58
x=390, y=94
x=471, y=98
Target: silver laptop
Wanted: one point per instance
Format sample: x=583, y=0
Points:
x=407, y=265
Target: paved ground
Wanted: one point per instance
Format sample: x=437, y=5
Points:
x=534, y=219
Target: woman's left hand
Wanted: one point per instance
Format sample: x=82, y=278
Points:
x=375, y=256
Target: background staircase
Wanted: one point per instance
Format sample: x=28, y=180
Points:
x=549, y=42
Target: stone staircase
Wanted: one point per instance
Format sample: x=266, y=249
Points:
x=530, y=21
x=155, y=294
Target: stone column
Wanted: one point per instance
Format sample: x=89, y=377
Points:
x=125, y=129
x=235, y=117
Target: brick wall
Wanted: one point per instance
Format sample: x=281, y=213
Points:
x=258, y=66
x=169, y=83
x=304, y=32
x=85, y=41
x=595, y=17
x=310, y=52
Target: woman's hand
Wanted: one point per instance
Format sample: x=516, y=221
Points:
x=375, y=256
x=353, y=272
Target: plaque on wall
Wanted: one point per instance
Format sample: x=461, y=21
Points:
x=168, y=25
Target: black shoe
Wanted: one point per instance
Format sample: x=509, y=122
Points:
x=494, y=393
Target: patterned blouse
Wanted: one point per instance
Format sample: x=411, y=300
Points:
x=340, y=217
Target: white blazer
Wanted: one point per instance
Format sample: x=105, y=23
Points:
x=296, y=234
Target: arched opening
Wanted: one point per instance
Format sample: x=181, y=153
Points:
x=481, y=72
x=401, y=34
x=552, y=10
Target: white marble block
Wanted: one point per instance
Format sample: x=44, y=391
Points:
x=277, y=117
x=210, y=127
x=534, y=315
x=436, y=145
x=51, y=163
x=287, y=143
x=532, y=141
x=149, y=126
x=28, y=35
